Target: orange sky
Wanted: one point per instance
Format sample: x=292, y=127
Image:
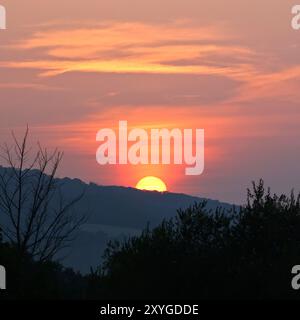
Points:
x=69, y=68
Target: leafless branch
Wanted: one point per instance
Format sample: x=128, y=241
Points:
x=33, y=214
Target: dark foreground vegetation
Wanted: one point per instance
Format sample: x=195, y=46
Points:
x=247, y=252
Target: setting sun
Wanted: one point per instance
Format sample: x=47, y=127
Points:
x=151, y=184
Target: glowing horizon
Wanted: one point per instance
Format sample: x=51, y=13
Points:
x=227, y=68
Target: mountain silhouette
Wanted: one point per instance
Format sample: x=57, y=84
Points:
x=114, y=212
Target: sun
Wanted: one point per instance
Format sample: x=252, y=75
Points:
x=151, y=184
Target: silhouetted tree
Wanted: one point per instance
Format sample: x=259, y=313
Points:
x=35, y=217
x=245, y=252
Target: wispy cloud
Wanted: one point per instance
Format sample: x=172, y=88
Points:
x=133, y=48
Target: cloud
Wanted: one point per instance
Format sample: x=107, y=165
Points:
x=31, y=86
x=131, y=47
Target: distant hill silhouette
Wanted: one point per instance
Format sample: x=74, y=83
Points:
x=115, y=212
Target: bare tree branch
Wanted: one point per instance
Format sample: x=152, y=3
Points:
x=36, y=217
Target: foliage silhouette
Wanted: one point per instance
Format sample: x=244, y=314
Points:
x=246, y=252
x=243, y=253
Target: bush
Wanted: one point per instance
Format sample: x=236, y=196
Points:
x=245, y=252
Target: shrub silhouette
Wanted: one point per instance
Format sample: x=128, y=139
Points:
x=30, y=279
x=245, y=252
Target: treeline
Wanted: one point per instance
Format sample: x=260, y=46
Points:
x=246, y=252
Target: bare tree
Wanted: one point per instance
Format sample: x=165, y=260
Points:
x=38, y=220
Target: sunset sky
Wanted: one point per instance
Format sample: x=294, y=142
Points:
x=232, y=67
